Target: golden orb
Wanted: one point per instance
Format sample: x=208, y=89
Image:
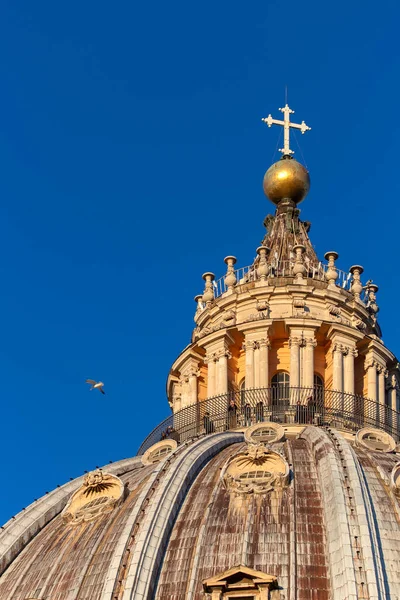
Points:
x=286, y=179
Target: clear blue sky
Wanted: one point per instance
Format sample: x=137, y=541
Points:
x=132, y=154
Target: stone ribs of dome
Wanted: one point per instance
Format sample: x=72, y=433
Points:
x=179, y=525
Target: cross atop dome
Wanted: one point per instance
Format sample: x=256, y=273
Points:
x=286, y=124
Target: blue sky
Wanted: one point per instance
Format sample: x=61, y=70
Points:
x=132, y=154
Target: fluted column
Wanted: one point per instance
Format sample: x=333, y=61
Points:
x=294, y=344
x=249, y=373
x=308, y=368
x=263, y=355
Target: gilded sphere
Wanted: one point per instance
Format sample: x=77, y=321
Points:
x=286, y=179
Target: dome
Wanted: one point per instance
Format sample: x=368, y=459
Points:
x=297, y=516
x=276, y=475
x=287, y=179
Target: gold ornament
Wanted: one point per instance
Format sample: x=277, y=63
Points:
x=286, y=179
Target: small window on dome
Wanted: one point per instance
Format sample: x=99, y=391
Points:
x=158, y=451
x=255, y=475
x=375, y=439
x=158, y=454
x=264, y=434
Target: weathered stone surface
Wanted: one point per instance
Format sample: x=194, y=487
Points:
x=332, y=533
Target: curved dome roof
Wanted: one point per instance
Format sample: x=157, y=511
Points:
x=315, y=512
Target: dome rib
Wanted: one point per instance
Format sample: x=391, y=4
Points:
x=19, y=531
x=156, y=528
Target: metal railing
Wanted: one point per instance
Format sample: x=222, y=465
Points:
x=281, y=269
x=280, y=404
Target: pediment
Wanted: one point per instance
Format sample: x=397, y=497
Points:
x=238, y=578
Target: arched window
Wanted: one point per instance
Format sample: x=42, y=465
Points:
x=242, y=390
x=318, y=390
x=280, y=384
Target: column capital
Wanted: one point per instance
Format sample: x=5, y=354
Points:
x=370, y=362
x=222, y=352
x=310, y=342
x=250, y=345
x=295, y=341
x=190, y=372
x=353, y=351
x=210, y=357
x=382, y=370
x=264, y=342
x=342, y=349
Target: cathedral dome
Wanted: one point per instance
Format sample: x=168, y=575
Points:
x=287, y=179
x=277, y=474
x=272, y=512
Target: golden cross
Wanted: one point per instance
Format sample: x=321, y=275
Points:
x=287, y=124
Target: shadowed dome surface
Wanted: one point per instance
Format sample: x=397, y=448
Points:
x=288, y=179
x=184, y=520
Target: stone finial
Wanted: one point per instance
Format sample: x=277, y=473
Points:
x=299, y=270
x=208, y=295
x=199, y=303
x=356, y=285
x=230, y=277
x=331, y=273
x=263, y=268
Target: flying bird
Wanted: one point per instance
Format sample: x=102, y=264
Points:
x=96, y=385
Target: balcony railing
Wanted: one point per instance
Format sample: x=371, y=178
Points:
x=282, y=269
x=280, y=404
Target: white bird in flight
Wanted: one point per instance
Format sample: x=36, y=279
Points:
x=96, y=385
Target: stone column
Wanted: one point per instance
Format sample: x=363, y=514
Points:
x=382, y=374
x=263, y=356
x=176, y=397
x=211, y=374
x=222, y=372
x=193, y=386
x=393, y=389
x=249, y=372
x=338, y=350
x=294, y=345
x=371, y=368
x=256, y=364
x=308, y=368
x=372, y=380
x=349, y=383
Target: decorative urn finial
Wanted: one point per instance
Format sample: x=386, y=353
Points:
x=230, y=277
x=263, y=268
x=331, y=273
x=356, y=285
x=299, y=270
x=208, y=295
